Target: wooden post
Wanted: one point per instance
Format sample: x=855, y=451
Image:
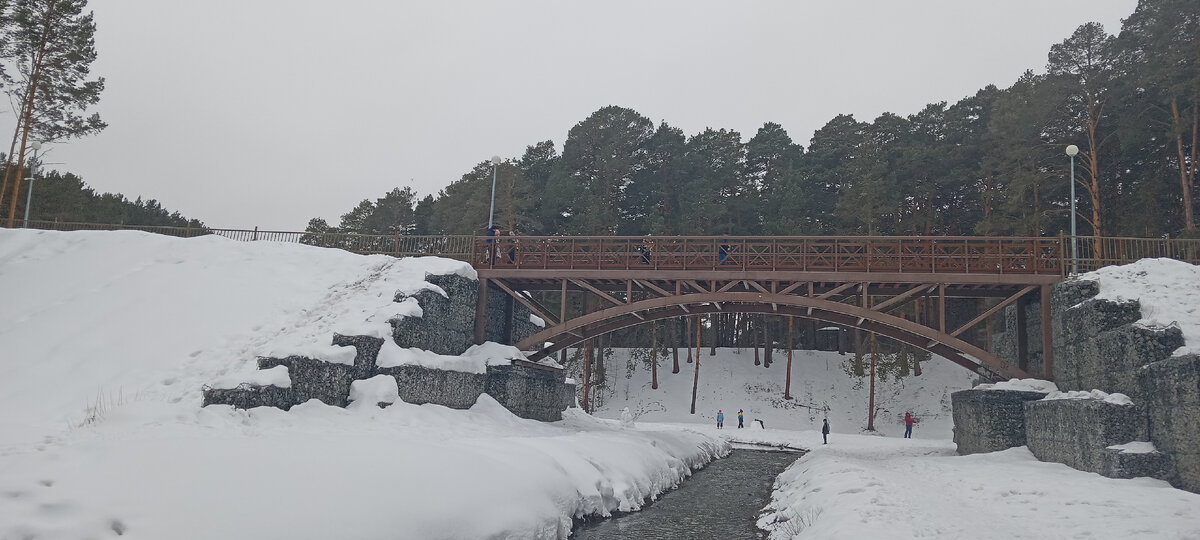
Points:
x=696, y=377
x=787, y=385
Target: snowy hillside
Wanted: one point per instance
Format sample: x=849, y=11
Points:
x=108, y=337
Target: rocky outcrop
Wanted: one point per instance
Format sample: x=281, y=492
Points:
x=448, y=323
x=1098, y=345
x=446, y=326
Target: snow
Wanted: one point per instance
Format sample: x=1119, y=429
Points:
x=1020, y=385
x=1135, y=447
x=1166, y=289
x=108, y=338
x=537, y=321
x=276, y=376
x=1115, y=398
x=871, y=487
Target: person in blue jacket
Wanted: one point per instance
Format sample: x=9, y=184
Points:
x=720, y=419
x=825, y=431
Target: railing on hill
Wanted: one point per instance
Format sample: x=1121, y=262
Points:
x=963, y=254
x=1110, y=251
x=450, y=246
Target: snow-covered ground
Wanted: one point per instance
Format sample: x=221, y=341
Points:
x=106, y=339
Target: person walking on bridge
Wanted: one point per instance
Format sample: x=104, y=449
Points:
x=908, y=424
x=720, y=418
x=740, y=426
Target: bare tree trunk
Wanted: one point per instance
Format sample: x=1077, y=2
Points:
x=787, y=385
x=871, y=400
x=696, y=377
x=654, y=356
x=585, y=389
x=754, y=336
x=674, y=327
x=716, y=333
x=768, y=347
x=1185, y=178
x=688, y=339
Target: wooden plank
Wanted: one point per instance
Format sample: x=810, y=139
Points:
x=598, y=292
x=994, y=309
x=836, y=290
x=529, y=304
x=882, y=306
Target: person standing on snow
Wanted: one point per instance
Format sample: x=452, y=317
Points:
x=825, y=431
x=740, y=419
x=720, y=418
x=908, y=424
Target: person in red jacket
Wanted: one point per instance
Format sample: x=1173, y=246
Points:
x=908, y=424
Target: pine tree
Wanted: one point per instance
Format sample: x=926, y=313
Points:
x=50, y=46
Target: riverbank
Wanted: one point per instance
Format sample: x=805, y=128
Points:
x=874, y=486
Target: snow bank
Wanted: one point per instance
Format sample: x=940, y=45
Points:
x=1136, y=447
x=1020, y=385
x=276, y=376
x=110, y=336
x=1166, y=289
x=1116, y=398
x=868, y=487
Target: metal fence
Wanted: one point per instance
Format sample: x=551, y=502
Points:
x=450, y=246
x=904, y=254
x=1097, y=253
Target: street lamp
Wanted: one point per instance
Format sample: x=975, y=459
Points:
x=492, y=210
x=1072, y=150
x=32, y=167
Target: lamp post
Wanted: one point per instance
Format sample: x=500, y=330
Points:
x=1072, y=150
x=492, y=210
x=32, y=168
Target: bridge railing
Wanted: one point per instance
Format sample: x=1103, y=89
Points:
x=1108, y=251
x=985, y=255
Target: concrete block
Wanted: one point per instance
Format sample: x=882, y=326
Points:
x=1076, y=432
x=990, y=420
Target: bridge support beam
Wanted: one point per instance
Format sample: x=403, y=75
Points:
x=1047, y=336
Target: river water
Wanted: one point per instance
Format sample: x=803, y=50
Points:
x=721, y=501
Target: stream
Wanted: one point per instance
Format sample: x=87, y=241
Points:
x=721, y=500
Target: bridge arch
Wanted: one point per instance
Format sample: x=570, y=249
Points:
x=573, y=332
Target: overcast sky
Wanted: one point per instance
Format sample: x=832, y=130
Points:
x=266, y=113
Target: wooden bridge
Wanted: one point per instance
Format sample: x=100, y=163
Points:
x=856, y=282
